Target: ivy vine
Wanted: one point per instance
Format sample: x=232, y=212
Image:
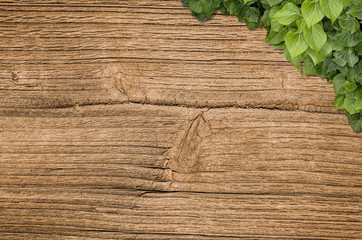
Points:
x=320, y=37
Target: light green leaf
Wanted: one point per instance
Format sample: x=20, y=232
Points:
x=295, y=43
x=350, y=85
x=332, y=8
x=351, y=106
x=297, y=61
x=315, y=36
x=288, y=14
x=276, y=38
x=322, y=54
x=339, y=101
x=312, y=12
x=274, y=2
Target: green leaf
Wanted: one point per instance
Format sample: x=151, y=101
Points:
x=206, y=7
x=332, y=8
x=275, y=26
x=312, y=12
x=276, y=38
x=329, y=67
x=346, y=2
x=252, y=14
x=202, y=17
x=297, y=61
x=235, y=7
x=344, y=57
x=196, y=6
x=339, y=101
x=295, y=43
x=349, y=23
x=338, y=82
x=355, y=121
x=358, y=48
x=185, y=3
x=210, y=6
x=322, y=54
x=356, y=11
x=315, y=36
x=274, y=2
x=308, y=67
x=358, y=96
x=351, y=105
x=347, y=39
x=350, y=85
x=288, y=14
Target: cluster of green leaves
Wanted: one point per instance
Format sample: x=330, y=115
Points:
x=320, y=37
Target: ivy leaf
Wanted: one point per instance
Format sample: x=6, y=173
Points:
x=355, y=121
x=351, y=105
x=358, y=96
x=207, y=7
x=344, y=57
x=339, y=101
x=350, y=85
x=322, y=54
x=202, y=17
x=346, y=2
x=196, y=6
x=276, y=38
x=332, y=8
x=312, y=12
x=358, y=48
x=338, y=82
x=349, y=23
x=347, y=39
x=274, y=2
x=297, y=61
x=288, y=14
x=185, y=3
x=356, y=11
x=252, y=17
x=308, y=67
x=210, y=6
x=295, y=43
x=315, y=36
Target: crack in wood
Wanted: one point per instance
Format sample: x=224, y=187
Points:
x=185, y=154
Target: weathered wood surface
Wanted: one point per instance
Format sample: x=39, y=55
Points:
x=57, y=55
x=213, y=166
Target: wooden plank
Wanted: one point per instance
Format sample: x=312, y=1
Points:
x=132, y=171
x=92, y=52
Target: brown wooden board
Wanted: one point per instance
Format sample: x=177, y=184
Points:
x=131, y=120
x=172, y=172
x=63, y=54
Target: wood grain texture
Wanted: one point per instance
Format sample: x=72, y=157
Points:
x=133, y=171
x=130, y=120
x=84, y=52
